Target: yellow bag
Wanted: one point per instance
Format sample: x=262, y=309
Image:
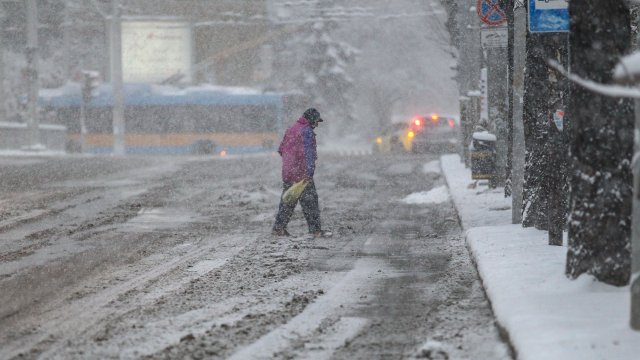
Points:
x=293, y=193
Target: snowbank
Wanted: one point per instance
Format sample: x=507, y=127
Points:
x=477, y=206
x=434, y=196
x=546, y=315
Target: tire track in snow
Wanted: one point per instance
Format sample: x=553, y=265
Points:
x=343, y=295
x=81, y=315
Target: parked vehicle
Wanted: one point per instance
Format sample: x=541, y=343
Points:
x=435, y=133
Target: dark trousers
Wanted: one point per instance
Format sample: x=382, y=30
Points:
x=310, y=208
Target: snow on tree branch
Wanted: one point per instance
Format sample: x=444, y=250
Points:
x=610, y=90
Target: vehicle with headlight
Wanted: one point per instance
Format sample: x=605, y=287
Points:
x=434, y=133
x=395, y=138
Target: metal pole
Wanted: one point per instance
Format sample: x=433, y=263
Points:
x=519, y=56
x=3, y=74
x=635, y=232
x=635, y=216
x=116, y=81
x=497, y=76
x=66, y=56
x=3, y=102
x=32, y=73
x=83, y=126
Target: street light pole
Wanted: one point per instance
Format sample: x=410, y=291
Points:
x=635, y=230
x=3, y=102
x=518, y=148
x=66, y=29
x=32, y=72
x=116, y=80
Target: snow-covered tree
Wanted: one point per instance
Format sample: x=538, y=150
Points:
x=58, y=60
x=601, y=146
x=325, y=77
x=313, y=61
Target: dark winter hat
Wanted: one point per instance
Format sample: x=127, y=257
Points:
x=312, y=115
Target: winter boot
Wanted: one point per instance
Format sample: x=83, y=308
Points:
x=280, y=232
x=322, y=234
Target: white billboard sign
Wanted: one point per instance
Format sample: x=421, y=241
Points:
x=494, y=37
x=552, y=4
x=153, y=51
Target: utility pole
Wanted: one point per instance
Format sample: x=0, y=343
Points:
x=635, y=231
x=635, y=215
x=32, y=73
x=518, y=147
x=3, y=102
x=116, y=80
x=66, y=29
x=497, y=71
x=494, y=16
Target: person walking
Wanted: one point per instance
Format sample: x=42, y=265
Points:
x=299, y=154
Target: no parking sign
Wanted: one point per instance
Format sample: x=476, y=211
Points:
x=491, y=12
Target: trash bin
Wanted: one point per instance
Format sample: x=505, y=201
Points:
x=483, y=157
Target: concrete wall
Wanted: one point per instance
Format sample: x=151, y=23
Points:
x=15, y=136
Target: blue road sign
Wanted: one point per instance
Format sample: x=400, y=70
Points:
x=490, y=12
x=549, y=15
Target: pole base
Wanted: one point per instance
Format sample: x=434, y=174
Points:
x=635, y=303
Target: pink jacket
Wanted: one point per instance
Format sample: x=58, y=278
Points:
x=298, y=151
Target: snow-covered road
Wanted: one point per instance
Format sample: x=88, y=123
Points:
x=172, y=258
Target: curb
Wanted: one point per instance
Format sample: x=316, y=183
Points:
x=502, y=331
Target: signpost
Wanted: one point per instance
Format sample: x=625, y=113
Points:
x=548, y=16
x=519, y=60
x=484, y=98
x=494, y=100
x=119, y=124
x=32, y=74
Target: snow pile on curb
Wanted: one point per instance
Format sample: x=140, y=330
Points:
x=479, y=206
x=436, y=195
x=546, y=315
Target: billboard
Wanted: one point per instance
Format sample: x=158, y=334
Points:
x=156, y=50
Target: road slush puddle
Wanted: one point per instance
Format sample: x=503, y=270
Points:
x=186, y=268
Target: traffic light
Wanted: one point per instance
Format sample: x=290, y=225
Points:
x=90, y=83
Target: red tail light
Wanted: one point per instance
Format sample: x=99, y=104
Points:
x=452, y=123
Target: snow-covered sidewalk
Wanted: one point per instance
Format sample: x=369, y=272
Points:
x=546, y=315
